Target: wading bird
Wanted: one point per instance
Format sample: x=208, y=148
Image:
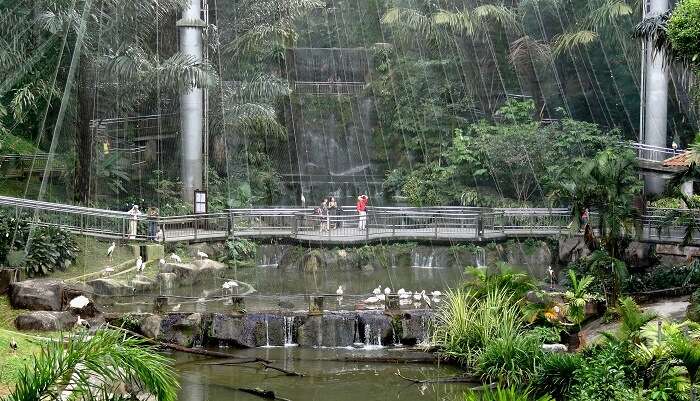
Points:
x=140, y=265
x=175, y=258
x=387, y=291
x=339, y=291
x=81, y=323
x=202, y=255
x=110, y=251
x=13, y=345
x=177, y=307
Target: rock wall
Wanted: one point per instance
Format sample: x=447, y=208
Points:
x=331, y=329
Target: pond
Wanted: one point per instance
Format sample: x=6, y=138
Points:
x=330, y=375
x=289, y=289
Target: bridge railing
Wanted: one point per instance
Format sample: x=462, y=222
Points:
x=654, y=153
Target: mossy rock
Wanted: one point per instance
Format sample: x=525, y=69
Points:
x=693, y=311
x=154, y=252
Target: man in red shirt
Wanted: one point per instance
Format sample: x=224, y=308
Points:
x=362, y=211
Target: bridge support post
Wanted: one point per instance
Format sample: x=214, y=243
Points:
x=160, y=304
x=654, y=105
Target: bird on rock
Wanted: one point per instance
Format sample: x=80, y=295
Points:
x=377, y=290
x=177, y=307
x=387, y=291
x=175, y=258
x=161, y=262
x=140, y=266
x=82, y=323
x=339, y=291
x=202, y=255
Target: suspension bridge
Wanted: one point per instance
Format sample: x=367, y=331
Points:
x=383, y=224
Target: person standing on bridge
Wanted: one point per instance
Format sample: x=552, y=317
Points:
x=362, y=211
x=134, y=221
x=332, y=212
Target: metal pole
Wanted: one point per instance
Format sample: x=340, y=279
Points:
x=655, y=98
x=191, y=105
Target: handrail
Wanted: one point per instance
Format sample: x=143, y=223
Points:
x=446, y=223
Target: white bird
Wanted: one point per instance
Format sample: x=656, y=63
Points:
x=175, y=258
x=417, y=296
x=381, y=297
x=82, y=323
x=177, y=307
x=425, y=299
x=202, y=255
x=436, y=294
x=110, y=250
x=339, y=291
x=108, y=271
x=229, y=285
x=674, y=145
x=371, y=300
x=140, y=265
x=161, y=262
x=79, y=302
x=401, y=291
x=377, y=290
x=387, y=291
x=13, y=345
x=303, y=201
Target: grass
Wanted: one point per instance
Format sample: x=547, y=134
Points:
x=12, y=144
x=12, y=362
x=93, y=258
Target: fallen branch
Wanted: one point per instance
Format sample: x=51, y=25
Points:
x=266, y=394
x=452, y=379
x=264, y=364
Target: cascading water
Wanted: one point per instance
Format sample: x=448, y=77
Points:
x=480, y=257
x=267, y=332
x=289, y=331
x=370, y=339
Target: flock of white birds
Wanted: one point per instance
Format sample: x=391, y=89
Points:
x=140, y=264
x=405, y=297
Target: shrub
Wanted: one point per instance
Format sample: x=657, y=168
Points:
x=503, y=394
x=683, y=30
x=556, y=374
x=511, y=361
x=466, y=324
x=605, y=374
x=50, y=249
x=239, y=250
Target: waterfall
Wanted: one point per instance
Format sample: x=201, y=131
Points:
x=267, y=332
x=421, y=261
x=369, y=341
x=424, y=330
x=480, y=257
x=289, y=331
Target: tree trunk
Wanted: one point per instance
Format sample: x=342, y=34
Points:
x=84, y=136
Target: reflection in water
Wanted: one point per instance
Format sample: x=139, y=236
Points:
x=330, y=375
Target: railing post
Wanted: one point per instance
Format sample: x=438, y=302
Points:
x=435, y=225
x=196, y=221
x=366, y=227
x=479, y=225
x=229, y=226
x=295, y=224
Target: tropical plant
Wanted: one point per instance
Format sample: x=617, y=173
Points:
x=503, y=394
x=577, y=297
x=608, y=184
x=106, y=365
x=504, y=278
x=511, y=361
x=556, y=374
x=239, y=250
x=632, y=319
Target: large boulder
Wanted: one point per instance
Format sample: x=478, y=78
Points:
x=108, y=286
x=250, y=330
x=415, y=326
x=150, y=326
x=182, y=328
x=46, y=295
x=143, y=284
x=83, y=306
x=46, y=321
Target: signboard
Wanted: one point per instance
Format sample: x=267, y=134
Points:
x=200, y=202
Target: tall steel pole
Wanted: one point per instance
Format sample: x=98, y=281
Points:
x=191, y=104
x=655, y=98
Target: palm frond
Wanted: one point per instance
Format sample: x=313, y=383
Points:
x=570, y=40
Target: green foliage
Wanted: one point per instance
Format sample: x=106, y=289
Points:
x=429, y=185
x=239, y=250
x=94, y=365
x=501, y=278
x=606, y=374
x=556, y=374
x=663, y=277
x=683, y=30
x=632, y=319
x=511, y=361
x=503, y=394
x=577, y=297
x=50, y=248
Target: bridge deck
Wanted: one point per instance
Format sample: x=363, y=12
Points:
x=444, y=224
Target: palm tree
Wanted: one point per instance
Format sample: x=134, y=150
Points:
x=107, y=365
